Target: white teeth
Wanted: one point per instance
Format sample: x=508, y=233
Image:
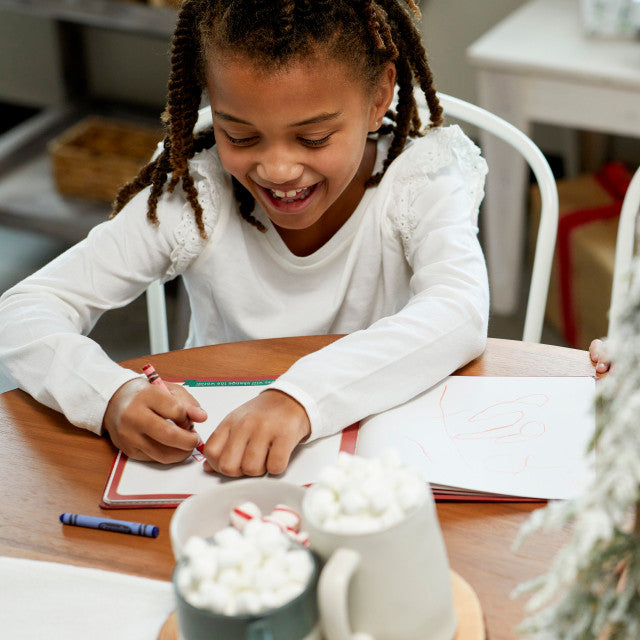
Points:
x=287, y=194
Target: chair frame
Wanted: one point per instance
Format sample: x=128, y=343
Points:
x=547, y=231
x=625, y=243
x=157, y=318
x=545, y=244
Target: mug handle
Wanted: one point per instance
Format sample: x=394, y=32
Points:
x=258, y=631
x=333, y=588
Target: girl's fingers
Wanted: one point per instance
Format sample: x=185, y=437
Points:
x=169, y=407
x=594, y=349
x=599, y=356
x=258, y=436
x=169, y=434
x=214, y=446
x=254, y=460
x=161, y=453
x=279, y=455
x=194, y=412
x=230, y=460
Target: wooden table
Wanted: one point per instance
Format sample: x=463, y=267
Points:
x=47, y=467
x=537, y=65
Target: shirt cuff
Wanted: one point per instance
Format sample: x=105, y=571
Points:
x=96, y=418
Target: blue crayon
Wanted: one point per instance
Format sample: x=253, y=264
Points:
x=107, y=524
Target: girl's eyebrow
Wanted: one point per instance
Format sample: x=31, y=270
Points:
x=322, y=117
x=227, y=116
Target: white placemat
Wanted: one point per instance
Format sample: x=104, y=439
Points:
x=48, y=600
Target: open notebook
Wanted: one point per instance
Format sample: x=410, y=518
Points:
x=472, y=438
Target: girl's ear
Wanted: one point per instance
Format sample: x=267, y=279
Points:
x=382, y=96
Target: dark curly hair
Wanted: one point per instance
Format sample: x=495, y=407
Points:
x=366, y=34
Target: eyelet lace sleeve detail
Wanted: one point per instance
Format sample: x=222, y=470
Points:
x=214, y=189
x=440, y=148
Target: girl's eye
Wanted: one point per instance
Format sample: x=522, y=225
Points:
x=315, y=143
x=241, y=142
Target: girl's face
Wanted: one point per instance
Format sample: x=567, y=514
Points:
x=297, y=140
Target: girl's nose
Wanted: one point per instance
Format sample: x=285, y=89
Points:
x=279, y=167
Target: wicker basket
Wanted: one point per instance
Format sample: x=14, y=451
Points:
x=97, y=156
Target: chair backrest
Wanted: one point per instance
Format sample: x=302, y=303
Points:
x=625, y=242
x=157, y=318
x=545, y=244
x=546, y=239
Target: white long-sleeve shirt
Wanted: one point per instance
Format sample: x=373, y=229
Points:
x=404, y=277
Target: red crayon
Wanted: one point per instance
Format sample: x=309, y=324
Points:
x=154, y=378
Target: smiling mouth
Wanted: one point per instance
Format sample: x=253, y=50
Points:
x=294, y=195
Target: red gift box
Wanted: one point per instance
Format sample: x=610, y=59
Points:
x=580, y=285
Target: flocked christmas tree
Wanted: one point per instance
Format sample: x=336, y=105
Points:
x=592, y=589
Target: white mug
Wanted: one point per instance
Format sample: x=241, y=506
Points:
x=390, y=584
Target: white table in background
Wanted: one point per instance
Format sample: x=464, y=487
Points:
x=538, y=66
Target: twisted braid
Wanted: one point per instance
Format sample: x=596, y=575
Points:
x=288, y=9
x=415, y=55
x=410, y=61
x=404, y=116
x=366, y=34
x=379, y=29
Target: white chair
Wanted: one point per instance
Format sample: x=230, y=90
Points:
x=545, y=244
x=625, y=243
x=157, y=318
x=546, y=240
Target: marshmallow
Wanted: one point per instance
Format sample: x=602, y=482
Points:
x=215, y=595
x=333, y=478
x=248, y=602
x=206, y=564
x=244, y=512
x=229, y=577
x=378, y=495
x=289, y=592
x=194, y=547
x=228, y=537
x=299, y=565
x=284, y=516
x=352, y=501
x=321, y=502
x=185, y=580
x=410, y=495
x=270, y=600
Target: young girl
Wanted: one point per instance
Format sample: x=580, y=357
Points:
x=307, y=208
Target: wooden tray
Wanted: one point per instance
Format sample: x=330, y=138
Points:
x=470, y=617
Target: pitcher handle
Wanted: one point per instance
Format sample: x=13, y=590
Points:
x=258, y=631
x=333, y=594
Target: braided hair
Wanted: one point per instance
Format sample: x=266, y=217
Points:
x=366, y=34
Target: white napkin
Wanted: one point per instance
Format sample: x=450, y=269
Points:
x=47, y=600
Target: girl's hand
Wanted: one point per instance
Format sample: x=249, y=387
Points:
x=137, y=420
x=258, y=437
x=599, y=356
